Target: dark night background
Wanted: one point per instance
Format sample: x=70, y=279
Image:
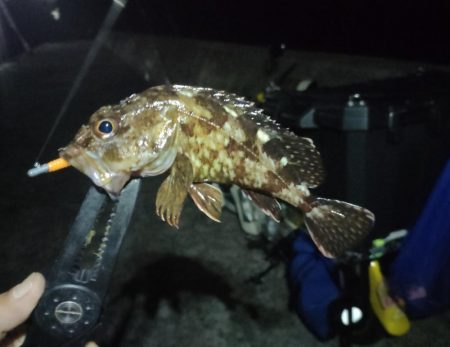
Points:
x=415, y=30
x=190, y=287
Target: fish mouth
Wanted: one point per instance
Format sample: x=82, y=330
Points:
x=96, y=169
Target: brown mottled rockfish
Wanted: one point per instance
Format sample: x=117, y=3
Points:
x=201, y=136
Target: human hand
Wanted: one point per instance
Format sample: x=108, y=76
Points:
x=16, y=306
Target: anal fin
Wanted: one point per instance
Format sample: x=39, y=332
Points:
x=208, y=198
x=270, y=206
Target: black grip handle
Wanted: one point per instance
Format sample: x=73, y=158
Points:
x=77, y=284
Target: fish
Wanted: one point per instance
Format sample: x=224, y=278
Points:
x=202, y=136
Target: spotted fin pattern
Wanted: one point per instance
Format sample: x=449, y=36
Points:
x=298, y=158
x=337, y=226
x=270, y=206
x=208, y=198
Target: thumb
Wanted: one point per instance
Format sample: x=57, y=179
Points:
x=17, y=303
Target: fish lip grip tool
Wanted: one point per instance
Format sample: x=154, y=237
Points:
x=71, y=305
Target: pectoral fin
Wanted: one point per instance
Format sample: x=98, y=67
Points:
x=270, y=206
x=208, y=198
x=173, y=191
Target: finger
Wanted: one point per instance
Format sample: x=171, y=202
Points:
x=15, y=338
x=19, y=340
x=91, y=344
x=17, y=303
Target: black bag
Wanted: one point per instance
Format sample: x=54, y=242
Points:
x=383, y=143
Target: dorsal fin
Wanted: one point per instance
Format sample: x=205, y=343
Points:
x=236, y=106
x=299, y=161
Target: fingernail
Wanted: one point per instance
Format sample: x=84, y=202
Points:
x=23, y=288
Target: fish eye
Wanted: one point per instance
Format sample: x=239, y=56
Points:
x=105, y=128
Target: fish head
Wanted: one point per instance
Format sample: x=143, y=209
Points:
x=121, y=142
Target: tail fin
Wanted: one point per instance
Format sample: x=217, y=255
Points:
x=337, y=226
